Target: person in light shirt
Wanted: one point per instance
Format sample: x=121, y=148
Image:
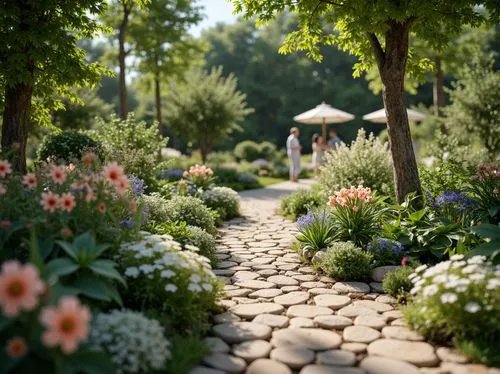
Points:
x=293, y=148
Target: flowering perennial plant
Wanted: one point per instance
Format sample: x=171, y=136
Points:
x=224, y=200
x=456, y=206
x=459, y=299
x=162, y=276
x=315, y=232
x=386, y=251
x=199, y=176
x=486, y=188
x=135, y=343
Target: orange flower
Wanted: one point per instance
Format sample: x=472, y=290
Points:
x=88, y=159
x=101, y=208
x=331, y=201
x=57, y=174
x=122, y=185
x=113, y=172
x=17, y=347
x=50, y=201
x=20, y=287
x=132, y=206
x=5, y=168
x=29, y=180
x=67, y=202
x=67, y=324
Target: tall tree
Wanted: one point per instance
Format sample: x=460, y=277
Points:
x=377, y=33
x=162, y=44
x=206, y=108
x=39, y=58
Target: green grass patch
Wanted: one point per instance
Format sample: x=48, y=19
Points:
x=267, y=181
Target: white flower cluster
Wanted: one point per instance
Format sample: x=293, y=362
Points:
x=159, y=257
x=453, y=280
x=135, y=343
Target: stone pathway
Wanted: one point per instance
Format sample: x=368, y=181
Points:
x=283, y=318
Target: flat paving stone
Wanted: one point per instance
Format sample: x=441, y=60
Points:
x=272, y=320
x=314, y=339
x=322, y=291
x=401, y=333
x=354, y=287
x=306, y=270
x=334, y=302
x=360, y=334
x=393, y=314
x=267, y=272
x=225, y=362
x=377, y=287
x=309, y=285
x=292, y=298
x=205, y=370
x=307, y=311
x=226, y=264
x=249, y=311
x=244, y=275
x=216, y=345
x=226, y=317
x=294, y=357
x=266, y=366
x=304, y=277
x=290, y=288
x=388, y=299
x=301, y=322
x=375, y=321
x=324, y=369
x=449, y=355
x=252, y=350
x=336, y=357
x=333, y=322
x=255, y=284
x=378, y=307
x=282, y=280
x=383, y=365
x=239, y=292
x=266, y=293
x=354, y=347
x=237, y=332
x=417, y=353
x=352, y=311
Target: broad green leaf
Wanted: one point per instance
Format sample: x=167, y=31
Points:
x=417, y=216
x=92, y=287
x=91, y=362
x=61, y=266
x=487, y=230
x=107, y=269
x=69, y=249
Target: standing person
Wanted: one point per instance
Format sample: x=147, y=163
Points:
x=334, y=140
x=293, y=148
x=318, y=147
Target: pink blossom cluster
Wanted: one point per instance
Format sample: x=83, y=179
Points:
x=198, y=171
x=348, y=196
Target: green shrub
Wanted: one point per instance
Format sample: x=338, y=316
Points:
x=397, y=282
x=300, y=202
x=458, y=301
x=345, y=261
x=367, y=161
x=187, y=352
x=203, y=241
x=224, y=200
x=315, y=232
x=67, y=146
x=267, y=150
x=247, y=150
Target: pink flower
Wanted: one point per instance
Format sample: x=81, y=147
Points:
x=50, y=201
x=5, y=224
x=20, y=287
x=331, y=201
x=88, y=159
x=113, y=172
x=101, y=208
x=355, y=208
x=90, y=196
x=122, y=185
x=5, y=168
x=67, y=324
x=185, y=174
x=58, y=175
x=67, y=202
x=29, y=180
x=404, y=261
x=16, y=347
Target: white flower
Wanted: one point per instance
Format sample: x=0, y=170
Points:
x=195, y=278
x=448, y=298
x=132, y=272
x=472, y=307
x=430, y=290
x=420, y=268
x=167, y=274
x=458, y=264
x=476, y=260
x=170, y=287
x=477, y=277
x=208, y=287
x=456, y=257
x=193, y=287
x=493, y=283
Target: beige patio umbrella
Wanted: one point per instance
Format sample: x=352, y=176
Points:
x=379, y=116
x=323, y=114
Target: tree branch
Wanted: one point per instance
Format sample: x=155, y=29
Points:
x=377, y=50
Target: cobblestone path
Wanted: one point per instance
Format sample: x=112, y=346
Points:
x=283, y=318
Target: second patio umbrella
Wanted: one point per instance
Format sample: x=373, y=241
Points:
x=379, y=116
x=323, y=114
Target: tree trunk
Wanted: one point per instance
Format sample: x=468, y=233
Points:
x=391, y=63
x=203, y=153
x=122, y=84
x=16, y=117
x=438, y=91
x=158, y=103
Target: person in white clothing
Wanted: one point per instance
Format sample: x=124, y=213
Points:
x=293, y=148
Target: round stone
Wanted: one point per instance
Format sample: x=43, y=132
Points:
x=352, y=311
x=382, y=365
x=417, y=353
x=353, y=287
x=292, y=298
x=267, y=272
x=272, y=320
x=226, y=317
x=375, y=321
x=205, y=370
x=393, y=314
x=314, y=339
x=322, y=291
x=282, y=280
x=336, y=357
x=354, y=347
x=398, y=322
x=290, y=288
x=225, y=362
x=252, y=350
x=267, y=293
x=255, y=284
x=244, y=275
x=237, y=292
x=377, y=287
x=332, y=301
x=266, y=366
x=380, y=272
x=401, y=333
x=386, y=299
x=376, y=306
x=263, y=260
x=237, y=332
x=312, y=285
x=449, y=355
x=326, y=369
x=333, y=322
x=308, y=311
x=226, y=264
x=249, y=311
x=360, y=334
x=300, y=322
x=216, y=345
x=304, y=277
x=293, y=357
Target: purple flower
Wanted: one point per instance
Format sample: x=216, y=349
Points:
x=127, y=223
x=137, y=186
x=260, y=162
x=453, y=199
x=172, y=174
x=308, y=219
x=383, y=245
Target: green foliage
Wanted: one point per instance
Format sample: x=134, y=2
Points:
x=224, y=200
x=206, y=108
x=315, y=232
x=397, y=283
x=491, y=248
x=367, y=161
x=187, y=352
x=300, y=202
x=451, y=175
x=67, y=146
x=345, y=261
x=247, y=150
x=133, y=144
x=203, y=241
x=458, y=300
x=229, y=177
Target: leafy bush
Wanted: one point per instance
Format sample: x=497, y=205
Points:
x=315, y=232
x=366, y=161
x=172, y=174
x=187, y=352
x=397, y=282
x=135, y=343
x=134, y=145
x=247, y=150
x=300, y=202
x=459, y=300
x=345, y=261
x=224, y=200
x=385, y=251
x=267, y=150
x=67, y=146
x=357, y=215
x=229, y=177
x=202, y=240
x=163, y=277
x=485, y=187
